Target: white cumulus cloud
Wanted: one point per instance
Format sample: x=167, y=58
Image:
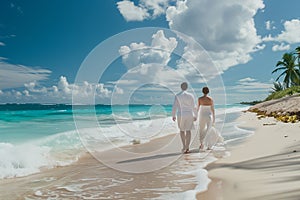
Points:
x=290, y=34
x=61, y=92
x=148, y=64
x=155, y=64
x=269, y=25
x=132, y=12
x=281, y=47
x=225, y=29
x=158, y=52
x=26, y=93
x=145, y=9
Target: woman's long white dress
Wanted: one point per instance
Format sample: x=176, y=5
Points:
x=209, y=135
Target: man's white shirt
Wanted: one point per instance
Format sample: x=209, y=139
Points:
x=184, y=104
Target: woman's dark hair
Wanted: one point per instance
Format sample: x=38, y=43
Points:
x=205, y=90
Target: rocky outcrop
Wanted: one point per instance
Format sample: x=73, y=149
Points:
x=286, y=109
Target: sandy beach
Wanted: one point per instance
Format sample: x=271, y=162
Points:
x=90, y=179
x=150, y=100
x=264, y=166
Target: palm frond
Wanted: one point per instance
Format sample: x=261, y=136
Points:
x=281, y=75
x=280, y=68
x=277, y=87
x=280, y=63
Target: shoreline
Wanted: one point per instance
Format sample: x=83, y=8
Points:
x=264, y=166
x=89, y=178
x=250, y=172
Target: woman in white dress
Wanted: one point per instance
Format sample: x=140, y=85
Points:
x=207, y=115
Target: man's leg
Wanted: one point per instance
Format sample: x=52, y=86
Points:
x=188, y=139
x=182, y=135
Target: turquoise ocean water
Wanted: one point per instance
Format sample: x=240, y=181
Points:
x=35, y=135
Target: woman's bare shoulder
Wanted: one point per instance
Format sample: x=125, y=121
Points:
x=210, y=98
x=205, y=100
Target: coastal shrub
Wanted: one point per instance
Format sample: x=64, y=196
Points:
x=287, y=92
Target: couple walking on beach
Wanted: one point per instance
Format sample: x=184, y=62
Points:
x=187, y=113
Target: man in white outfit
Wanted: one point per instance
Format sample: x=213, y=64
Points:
x=184, y=106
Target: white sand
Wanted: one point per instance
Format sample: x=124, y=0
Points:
x=265, y=166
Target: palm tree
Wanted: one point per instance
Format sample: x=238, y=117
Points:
x=277, y=87
x=297, y=52
x=288, y=64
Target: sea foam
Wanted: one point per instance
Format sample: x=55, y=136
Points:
x=64, y=148
x=18, y=160
x=22, y=160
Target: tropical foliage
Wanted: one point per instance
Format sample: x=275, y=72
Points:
x=297, y=52
x=286, y=92
x=278, y=87
x=290, y=67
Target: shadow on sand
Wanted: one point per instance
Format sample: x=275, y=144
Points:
x=157, y=156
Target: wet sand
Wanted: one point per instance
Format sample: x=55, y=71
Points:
x=90, y=179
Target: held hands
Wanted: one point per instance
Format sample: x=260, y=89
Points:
x=174, y=119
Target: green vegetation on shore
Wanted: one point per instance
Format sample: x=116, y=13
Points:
x=289, y=66
x=276, y=95
x=251, y=103
x=283, y=93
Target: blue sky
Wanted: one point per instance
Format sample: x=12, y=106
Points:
x=43, y=44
